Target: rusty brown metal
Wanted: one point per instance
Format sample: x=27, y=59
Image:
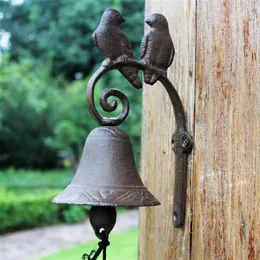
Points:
x=102, y=220
x=107, y=173
x=157, y=49
x=157, y=53
x=182, y=142
x=114, y=44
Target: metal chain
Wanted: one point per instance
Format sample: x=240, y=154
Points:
x=103, y=244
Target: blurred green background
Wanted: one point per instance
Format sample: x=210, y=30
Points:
x=46, y=59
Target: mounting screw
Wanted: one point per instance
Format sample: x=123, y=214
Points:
x=185, y=143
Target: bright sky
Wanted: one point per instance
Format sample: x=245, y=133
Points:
x=4, y=39
x=17, y=2
x=4, y=36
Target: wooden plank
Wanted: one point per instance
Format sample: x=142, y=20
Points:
x=226, y=216
x=158, y=238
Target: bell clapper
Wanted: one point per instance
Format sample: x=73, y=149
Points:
x=102, y=220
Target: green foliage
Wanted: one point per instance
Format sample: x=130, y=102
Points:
x=27, y=98
x=23, y=210
x=43, y=115
x=63, y=29
x=25, y=200
x=19, y=212
x=52, y=118
x=28, y=181
x=71, y=120
x=74, y=213
x=125, y=246
x=74, y=122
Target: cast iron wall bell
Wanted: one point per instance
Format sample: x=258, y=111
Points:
x=107, y=175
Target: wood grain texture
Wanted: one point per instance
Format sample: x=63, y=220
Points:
x=223, y=196
x=226, y=219
x=158, y=238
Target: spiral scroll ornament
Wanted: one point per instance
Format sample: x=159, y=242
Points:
x=103, y=100
x=112, y=106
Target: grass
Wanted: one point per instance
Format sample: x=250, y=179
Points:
x=123, y=245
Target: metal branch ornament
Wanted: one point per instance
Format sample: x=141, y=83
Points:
x=107, y=175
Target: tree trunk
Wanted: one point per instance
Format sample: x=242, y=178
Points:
x=216, y=71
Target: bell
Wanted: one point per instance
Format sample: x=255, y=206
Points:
x=107, y=173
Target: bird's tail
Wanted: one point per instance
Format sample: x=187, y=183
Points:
x=131, y=74
x=150, y=78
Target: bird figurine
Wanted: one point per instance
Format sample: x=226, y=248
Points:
x=114, y=44
x=157, y=49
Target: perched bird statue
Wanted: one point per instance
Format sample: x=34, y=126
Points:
x=157, y=50
x=114, y=44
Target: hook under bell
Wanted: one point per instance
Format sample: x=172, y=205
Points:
x=107, y=173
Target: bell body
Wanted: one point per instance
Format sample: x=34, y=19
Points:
x=107, y=173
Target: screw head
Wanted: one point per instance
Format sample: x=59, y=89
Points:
x=185, y=143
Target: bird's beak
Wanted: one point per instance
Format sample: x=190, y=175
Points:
x=122, y=19
x=148, y=21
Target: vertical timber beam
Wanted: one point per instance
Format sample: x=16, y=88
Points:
x=218, y=52
x=226, y=182
x=158, y=238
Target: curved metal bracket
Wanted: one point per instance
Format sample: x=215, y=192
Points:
x=182, y=142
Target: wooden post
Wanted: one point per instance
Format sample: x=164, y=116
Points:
x=158, y=238
x=216, y=71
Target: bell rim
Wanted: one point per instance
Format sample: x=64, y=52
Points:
x=126, y=196
x=110, y=204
